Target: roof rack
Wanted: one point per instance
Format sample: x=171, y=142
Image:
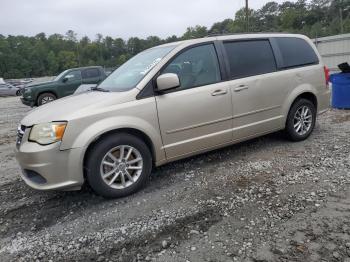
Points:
x=245, y=33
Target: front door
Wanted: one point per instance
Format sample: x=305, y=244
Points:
x=72, y=82
x=198, y=114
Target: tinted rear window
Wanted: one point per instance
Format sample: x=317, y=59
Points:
x=296, y=52
x=248, y=58
x=91, y=72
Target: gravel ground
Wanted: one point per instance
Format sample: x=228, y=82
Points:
x=267, y=199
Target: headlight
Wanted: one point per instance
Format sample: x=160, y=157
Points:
x=47, y=133
x=27, y=92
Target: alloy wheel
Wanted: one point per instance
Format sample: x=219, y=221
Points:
x=46, y=99
x=302, y=121
x=121, y=166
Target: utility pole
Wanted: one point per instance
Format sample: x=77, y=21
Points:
x=247, y=14
x=341, y=21
x=78, y=56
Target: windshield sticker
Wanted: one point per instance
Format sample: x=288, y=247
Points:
x=148, y=68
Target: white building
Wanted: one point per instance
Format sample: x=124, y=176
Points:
x=334, y=50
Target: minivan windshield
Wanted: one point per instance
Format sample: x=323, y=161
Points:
x=134, y=70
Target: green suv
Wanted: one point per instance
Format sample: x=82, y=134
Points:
x=64, y=84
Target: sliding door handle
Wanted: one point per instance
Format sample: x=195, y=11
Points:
x=240, y=88
x=219, y=92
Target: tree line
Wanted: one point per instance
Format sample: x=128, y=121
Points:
x=42, y=55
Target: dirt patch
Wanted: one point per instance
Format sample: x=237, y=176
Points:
x=343, y=116
x=167, y=236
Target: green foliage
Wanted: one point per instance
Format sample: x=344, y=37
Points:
x=67, y=59
x=22, y=56
x=195, y=32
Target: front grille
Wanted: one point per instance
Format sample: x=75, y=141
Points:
x=20, y=132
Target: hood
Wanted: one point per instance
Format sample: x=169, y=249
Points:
x=84, y=88
x=40, y=84
x=76, y=106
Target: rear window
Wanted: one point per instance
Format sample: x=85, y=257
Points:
x=90, y=73
x=296, y=52
x=248, y=58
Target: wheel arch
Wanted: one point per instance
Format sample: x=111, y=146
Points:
x=309, y=95
x=132, y=131
x=304, y=90
x=43, y=92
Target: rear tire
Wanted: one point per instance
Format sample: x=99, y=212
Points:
x=113, y=171
x=45, y=98
x=301, y=120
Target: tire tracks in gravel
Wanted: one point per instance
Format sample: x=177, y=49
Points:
x=195, y=193
x=151, y=242
x=43, y=211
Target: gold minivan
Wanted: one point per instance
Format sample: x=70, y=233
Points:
x=170, y=102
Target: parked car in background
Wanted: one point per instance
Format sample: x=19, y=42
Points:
x=27, y=80
x=170, y=102
x=7, y=89
x=63, y=85
x=20, y=84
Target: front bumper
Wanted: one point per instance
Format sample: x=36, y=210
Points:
x=48, y=167
x=27, y=102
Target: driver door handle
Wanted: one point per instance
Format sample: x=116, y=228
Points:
x=219, y=92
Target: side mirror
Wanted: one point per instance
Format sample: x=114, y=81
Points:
x=65, y=79
x=167, y=81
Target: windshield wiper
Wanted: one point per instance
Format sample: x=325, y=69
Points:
x=96, y=88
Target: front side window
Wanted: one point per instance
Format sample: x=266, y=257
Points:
x=296, y=52
x=73, y=75
x=60, y=75
x=197, y=66
x=128, y=75
x=249, y=58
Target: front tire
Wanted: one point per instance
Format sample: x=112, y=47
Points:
x=118, y=165
x=46, y=98
x=301, y=120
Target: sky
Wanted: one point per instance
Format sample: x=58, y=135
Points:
x=116, y=18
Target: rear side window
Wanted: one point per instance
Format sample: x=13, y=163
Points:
x=296, y=52
x=251, y=57
x=90, y=73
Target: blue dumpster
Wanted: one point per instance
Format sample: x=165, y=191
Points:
x=340, y=90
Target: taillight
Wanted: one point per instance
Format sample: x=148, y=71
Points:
x=326, y=74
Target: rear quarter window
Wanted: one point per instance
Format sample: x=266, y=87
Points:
x=90, y=73
x=296, y=52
